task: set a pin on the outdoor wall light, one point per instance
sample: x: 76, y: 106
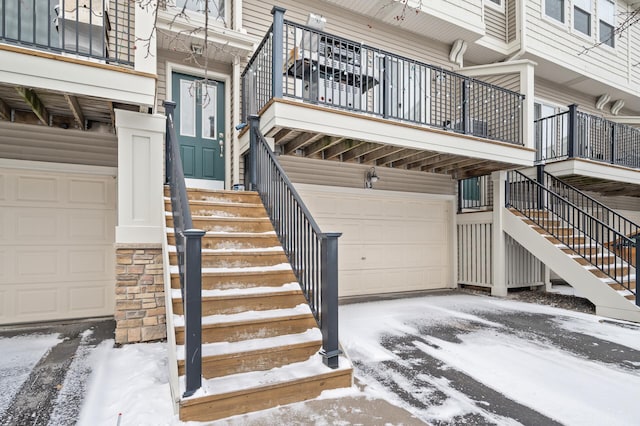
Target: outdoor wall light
x: 370, y: 178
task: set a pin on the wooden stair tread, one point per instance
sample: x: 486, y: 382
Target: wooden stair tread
x: 235, y: 349
x: 239, y: 297
x: 213, y: 321
x: 219, y: 204
x: 245, y: 383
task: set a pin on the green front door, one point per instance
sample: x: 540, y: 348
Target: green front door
x: 199, y: 121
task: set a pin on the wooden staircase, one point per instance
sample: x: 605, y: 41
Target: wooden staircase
x: 260, y: 340
x: 611, y: 298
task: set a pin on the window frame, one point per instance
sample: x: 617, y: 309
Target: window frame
x: 550, y: 18
x: 197, y: 18
x: 600, y: 21
x: 589, y: 12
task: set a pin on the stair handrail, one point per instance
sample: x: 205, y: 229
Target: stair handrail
x: 189, y: 254
x: 533, y: 200
x: 313, y: 254
x: 622, y: 224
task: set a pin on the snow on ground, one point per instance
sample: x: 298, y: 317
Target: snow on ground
x: 530, y: 371
x: 19, y: 355
x: 131, y: 382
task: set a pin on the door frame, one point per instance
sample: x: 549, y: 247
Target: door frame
x: 172, y: 67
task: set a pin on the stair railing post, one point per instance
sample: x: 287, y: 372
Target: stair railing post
x: 460, y: 195
x: 637, y: 240
x: 540, y: 179
x: 193, y: 310
x: 169, y: 107
x: 254, y: 128
x: 277, y: 61
x: 572, y: 127
x: 329, y: 296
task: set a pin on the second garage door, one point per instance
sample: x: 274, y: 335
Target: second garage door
x: 56, y: 244
x: 391, y: 241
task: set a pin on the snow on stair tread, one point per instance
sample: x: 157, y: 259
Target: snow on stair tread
x: 624, y: 278
x: 173, y: 269
x: 257, y: 379
x: 225, y: 348
x: 301, y: 309
x: 171, y: 231
x: 177, y: 293
x: 219, y: 201
x: 231, y: 250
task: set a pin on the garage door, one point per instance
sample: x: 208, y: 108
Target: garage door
x: 56, y: 245
x: 391, y: 241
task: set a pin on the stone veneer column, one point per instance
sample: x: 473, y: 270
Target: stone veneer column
x: 140, y: 303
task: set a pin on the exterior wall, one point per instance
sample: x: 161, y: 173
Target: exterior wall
x: 512, y: 20
x: 357, y: 27
x: 558, y: 43
x: 140, y: 302
x: 351, y: 175
x: 40, y: 143
x: 496, y: 22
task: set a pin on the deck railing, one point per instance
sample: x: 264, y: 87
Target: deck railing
x: 575, y: 134
x: 98, y: 29
x: 313, y: 254
x: 189, y: 254
x: 575, y: 228
x: 299, y: 62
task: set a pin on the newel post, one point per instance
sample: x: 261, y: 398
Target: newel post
x: 169, y: 107
x: 254, y: 128
x: 329, y: 295
x: 277, y: 53
x: 192, y: 294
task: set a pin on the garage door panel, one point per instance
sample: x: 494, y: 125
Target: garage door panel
x: 92, y: 192
x: 30, y: 188
x: 391, y: 241
x: 56, y: 251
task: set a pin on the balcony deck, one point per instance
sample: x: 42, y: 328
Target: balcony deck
x: 337, y: 99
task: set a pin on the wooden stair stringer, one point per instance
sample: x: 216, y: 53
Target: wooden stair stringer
x: 608, y: 301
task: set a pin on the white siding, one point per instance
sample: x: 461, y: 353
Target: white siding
x: 496, y: 23
x: 556, y: 42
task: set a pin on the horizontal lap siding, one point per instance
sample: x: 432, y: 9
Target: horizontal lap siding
x: 40, y: 143
x: 257, y: 18
x: 557, y: 94
x: 334, y: 173
x: 496, y: 23
x: 511, y: 20
x: 559, y: 44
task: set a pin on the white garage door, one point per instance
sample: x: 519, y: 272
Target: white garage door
x: 56, y: 245
x: 391, y: 241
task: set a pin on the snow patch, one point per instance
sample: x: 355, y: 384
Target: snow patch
x: 303, y: 308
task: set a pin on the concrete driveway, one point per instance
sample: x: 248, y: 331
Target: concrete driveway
x: 458, y: 358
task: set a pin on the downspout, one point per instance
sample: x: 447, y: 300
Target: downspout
x: 522, y: 18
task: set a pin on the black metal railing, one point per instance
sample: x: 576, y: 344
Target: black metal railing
x: 189, y: 255
x: 299, y: 62
x: 575, y: 228
x: 475, y: 193
x: 99, y: 29
x: 575, y: 134
x: 313, y: 254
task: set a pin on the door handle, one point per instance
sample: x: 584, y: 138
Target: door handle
x: 221, y: 143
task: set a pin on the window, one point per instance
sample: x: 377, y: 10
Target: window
x: 582, y: 16
x: 607, y: 17
x: 554, y: 9
x: 216, y: 7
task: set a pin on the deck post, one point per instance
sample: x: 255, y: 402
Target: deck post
x: 254, y: 128
x: 637, y: 240
x: 277, y: 61
x: 572, y: 127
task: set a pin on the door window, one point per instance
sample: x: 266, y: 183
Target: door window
x: 209, y: 111
x: 187, y: 108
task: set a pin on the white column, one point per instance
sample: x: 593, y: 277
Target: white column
x: 236, y: 84
x: 498, y: 258
x: 140, y: 177
x: 527, y: 88
x: 146, y: 50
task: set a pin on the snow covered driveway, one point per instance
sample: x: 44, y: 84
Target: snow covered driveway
x: 468, y: 359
